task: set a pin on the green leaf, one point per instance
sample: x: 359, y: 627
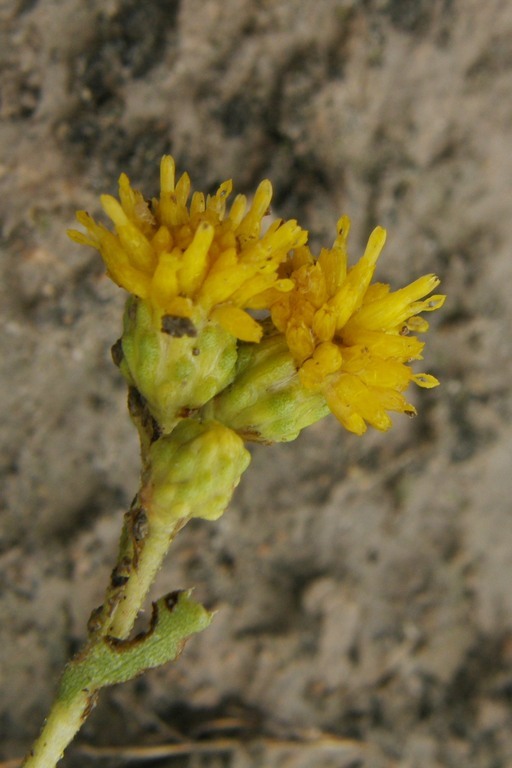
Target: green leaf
x: 108, y: 661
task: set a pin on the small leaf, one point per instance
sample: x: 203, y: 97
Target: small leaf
x: 109, y: 660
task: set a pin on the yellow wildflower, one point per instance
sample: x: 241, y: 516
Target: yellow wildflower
x: 195, y: 268
x: 350, y: 339
x: 194, y: 260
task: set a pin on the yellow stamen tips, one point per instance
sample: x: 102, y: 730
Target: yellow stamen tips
x: 192, y: 259
x: 425, y: 380
x: 350, y: 339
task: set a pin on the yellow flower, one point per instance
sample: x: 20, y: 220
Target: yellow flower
x: 350, y: 339
x: 194, y: 261
x: 196, y: 267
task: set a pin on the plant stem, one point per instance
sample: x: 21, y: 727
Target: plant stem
x: 63, y: 722
x: 141, y: 578
x: 191, y: 473
x: 67, y: 716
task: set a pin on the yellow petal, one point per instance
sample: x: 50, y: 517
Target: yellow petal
x: 237, y: 210
x: 164, y: 285
x: 179, y: 306
x: 167, y: 175
x: 167, y: 206
x: 344, y: 412
x: 197, y: 204
x: 363, y: 401
x: 417, y: 324
x: 250, y: 225
x: 324, y: 323
x: 183, y: 189
x: 220, y: 284
x: 350, y: 296
x: 385, y: 345
x: 81, y: 239
x: 376, y: 372
x: 194, y: 260
x: 392, y: 310
x: 237, y: 322
x: 267, y: 298
x: 217, y: 202
x: 326, y: 360
x: 135, y: 243
x: 300, y: 340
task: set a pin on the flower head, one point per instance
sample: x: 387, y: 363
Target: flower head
x: 334, y: 339
x: 194, y: 260
x: 350, y: 338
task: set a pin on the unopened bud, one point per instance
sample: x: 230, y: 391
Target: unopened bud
x: 266, y: 401
x: 177, y: 365
x: 194, y: 471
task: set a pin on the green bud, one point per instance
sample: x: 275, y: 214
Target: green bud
x: 266, y: 401
x: 194, y: 471
x: 177, y: 367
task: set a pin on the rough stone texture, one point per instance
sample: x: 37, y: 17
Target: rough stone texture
x: 362, y: 584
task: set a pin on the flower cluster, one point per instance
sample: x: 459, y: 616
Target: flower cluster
x: 350, y: 338
x: 194, y: 261
x: 348, y: 342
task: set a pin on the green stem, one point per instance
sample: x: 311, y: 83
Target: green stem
x: 64, y: 721
x: 191, y: 473
x: 118, y: 616
x: 141, y: 578
x: 107, y: 661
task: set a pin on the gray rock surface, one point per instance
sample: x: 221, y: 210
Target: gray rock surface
x: 362, y: 584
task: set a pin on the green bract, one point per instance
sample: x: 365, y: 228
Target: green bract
x: 194, y: 471
x: 266, y: 401
x: 176, y: 366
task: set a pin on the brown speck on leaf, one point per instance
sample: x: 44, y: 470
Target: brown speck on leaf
x: 93, y: 699
x: 135, y: 402
x: 94, y: 622
x: 172, y: 598
x: 117, y: 353
x: 121, y: 573
x: 140, y: 524
x: 124, y: 645
x: 132, y: 309
x: 138, y: 409
x: 177, y: 327
x: 185, y: 412
x: 252, y: 435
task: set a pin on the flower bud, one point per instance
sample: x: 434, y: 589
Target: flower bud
x: 176, y: 367
x: 193, y: 472
x: 267, y: 402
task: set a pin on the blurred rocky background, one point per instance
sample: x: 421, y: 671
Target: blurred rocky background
x: 362, y: 584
